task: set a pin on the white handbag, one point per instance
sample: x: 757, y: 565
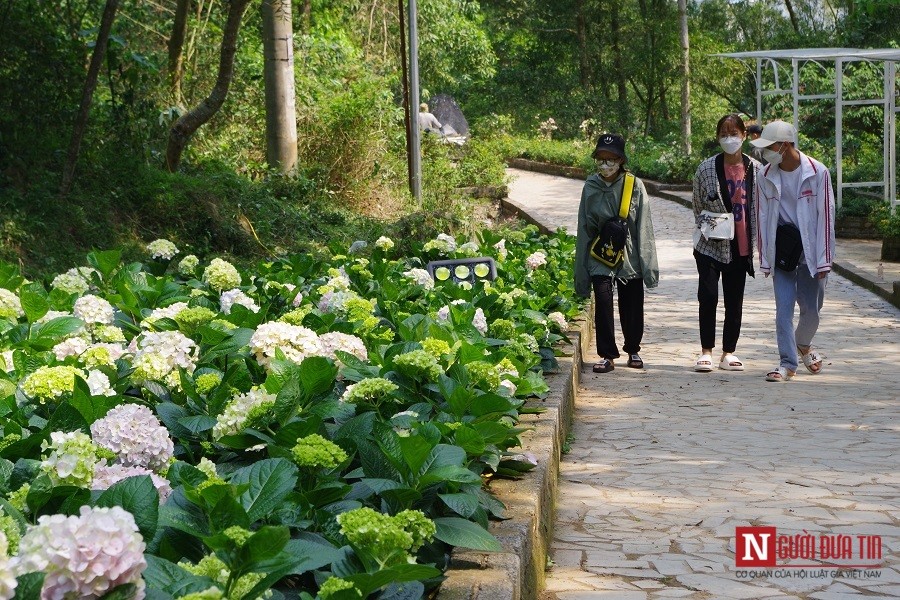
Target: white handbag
x: 716, y: 226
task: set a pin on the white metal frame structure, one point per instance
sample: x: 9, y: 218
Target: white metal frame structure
x: 840, y: 56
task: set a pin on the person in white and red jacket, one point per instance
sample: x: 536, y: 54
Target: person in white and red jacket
x: 796, y: 202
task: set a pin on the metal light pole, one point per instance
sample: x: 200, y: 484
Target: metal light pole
x: 415, y: 155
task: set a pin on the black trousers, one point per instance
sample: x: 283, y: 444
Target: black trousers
x: 631, y: 315
x: 734, y: 278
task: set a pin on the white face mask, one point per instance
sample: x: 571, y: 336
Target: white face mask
x: 731, y: 144
x: 607, y: 168
x: 773, y: 157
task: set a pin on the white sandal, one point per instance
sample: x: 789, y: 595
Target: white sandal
x: 730, y: 362
x: 780, y: 375
x: 812, y: 358
x: 704, y: 364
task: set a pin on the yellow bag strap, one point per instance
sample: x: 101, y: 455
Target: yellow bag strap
x: 627, y: 188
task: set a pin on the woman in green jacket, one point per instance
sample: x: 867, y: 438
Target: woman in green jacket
x: 600, y: 201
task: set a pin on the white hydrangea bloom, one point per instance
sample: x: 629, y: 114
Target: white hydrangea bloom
x: 344, y: 342
x: 232, y: 419
x: 357, y: 246
x: 384, y: 243
x: 535, y: 260
x: 236, y: 296
x: 479, y: 321
x: 298, y: 300
x: 98, y: 383
x: 107, y: 475
x: 166, y: 312
x: 84, y: 556
x: 10, y: 305
x: 72, y: 346
x: 500, y: 247
x: 8, y: 581
x: 74, y: 281
x: 421, y: 277
x: 180, y: 349
x: 136, y: 436
x: 448, y: 240
x: 94, y: 309
x: 162, y: 249
x: 102, y: 354
x: 559, y: 319
x: 443, y: 314
x: 8, y: 364
x: 332, y: 302
x: 468, y: 249
x: 295, y: 341
x: 509, y: 385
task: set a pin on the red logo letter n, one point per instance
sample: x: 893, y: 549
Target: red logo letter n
x: 754, y: 546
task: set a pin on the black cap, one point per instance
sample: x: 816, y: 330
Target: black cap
x: 611, y: 142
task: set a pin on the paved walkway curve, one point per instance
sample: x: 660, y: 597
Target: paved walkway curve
x: 666, y: 462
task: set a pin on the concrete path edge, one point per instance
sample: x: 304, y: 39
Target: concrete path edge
x: 518, y: 572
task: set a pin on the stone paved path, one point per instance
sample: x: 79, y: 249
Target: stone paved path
x: 665, y: 462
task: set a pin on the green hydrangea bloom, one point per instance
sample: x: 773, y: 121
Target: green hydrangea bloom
x: 221, y: 275
x: 507, y: 367
x: 238, y: 535
x: 359, y: 309
x: 260, y: 415
x: 389, y: 540
x: 212, y: 566
x: 8, y: 439
x: 416, y: 524
x: 435, y: 347
x: 369, y: 390
x: 316, y: 451
x: 10, y: 527
x: 484, y: 374
x: 418, y: 362
x: 503, y: 329
x: 108, y: 333
x: 51, y: 383
x: 296, y: 316
x: 97, y: 356
x: 223, y: 324
x: 332, y: 585
x: 212, y: 593
x: 188, y: 265
x: 16, y: 499
x: 207, y: 382
x: 190, y: 319
x: 71, y: 459
x: 516, y: 236
x: 376, y: 534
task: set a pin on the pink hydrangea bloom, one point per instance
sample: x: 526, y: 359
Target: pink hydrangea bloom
x: 135, y: 435
x: 107, y: 475
x: 84, y: 556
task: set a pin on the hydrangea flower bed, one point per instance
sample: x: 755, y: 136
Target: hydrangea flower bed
x: 321, y: 429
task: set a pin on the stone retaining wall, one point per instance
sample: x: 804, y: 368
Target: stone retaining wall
x: 517, y: 573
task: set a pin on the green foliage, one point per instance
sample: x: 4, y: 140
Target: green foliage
x: 888, y: 224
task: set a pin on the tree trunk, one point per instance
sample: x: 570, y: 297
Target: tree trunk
x: 281, y: 115
x: 188, y: 123
x: 176, y: 46
x: 90, y: 84
x: 621, y: 82
x: 581, y: 33
x: 685, y: 78
x: 306, y: 21
x: 792, y: 15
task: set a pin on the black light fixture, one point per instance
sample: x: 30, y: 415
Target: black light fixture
x: 458, y: 270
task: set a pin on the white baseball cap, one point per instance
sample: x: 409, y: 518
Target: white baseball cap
x: 776, y: 131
